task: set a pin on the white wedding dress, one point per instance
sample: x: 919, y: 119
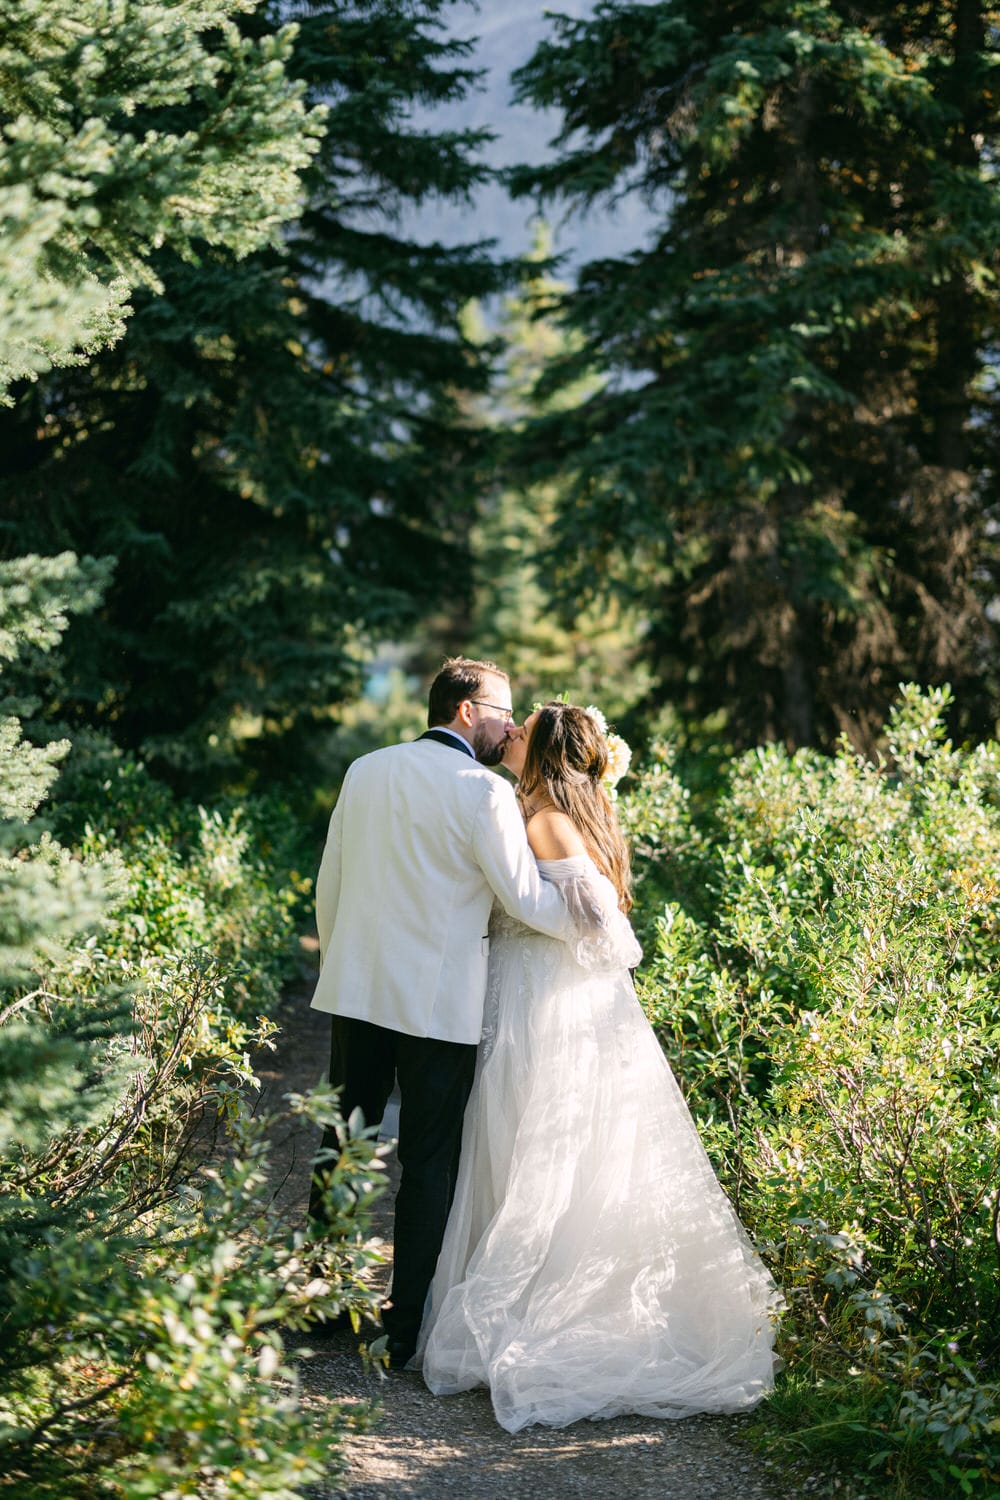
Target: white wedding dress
x: 592, y: 1266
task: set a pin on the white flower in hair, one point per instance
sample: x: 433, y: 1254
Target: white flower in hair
x: 619, y: 760
x: 619, y: 753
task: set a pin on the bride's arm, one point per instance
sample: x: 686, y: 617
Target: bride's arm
x: 603, y: 937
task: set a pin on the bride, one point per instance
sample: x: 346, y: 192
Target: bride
x: 592, y: 1265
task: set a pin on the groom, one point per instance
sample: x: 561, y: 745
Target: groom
x: 421, y: 842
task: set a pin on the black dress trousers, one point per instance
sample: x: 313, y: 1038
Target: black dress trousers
x: 435, y: 1079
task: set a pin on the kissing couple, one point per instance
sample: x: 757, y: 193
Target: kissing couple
x: 560, y: 1235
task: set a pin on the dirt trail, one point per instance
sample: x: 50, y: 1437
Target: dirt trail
x: 427, y: 1446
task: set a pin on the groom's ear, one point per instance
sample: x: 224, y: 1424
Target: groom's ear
x: 464, y: 712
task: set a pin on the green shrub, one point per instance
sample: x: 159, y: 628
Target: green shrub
x: 144, y: 1277
x: 825, y: 982
x: 144, y: 1350
x: 228, y: 880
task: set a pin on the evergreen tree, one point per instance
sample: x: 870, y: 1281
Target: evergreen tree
x: 271, y: 454
x: 44, y: 898
x: 124, y: 127
x: 791, y: 465
x: 589, y: 652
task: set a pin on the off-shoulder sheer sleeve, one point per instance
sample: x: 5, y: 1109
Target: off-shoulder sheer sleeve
x: 603, y: 938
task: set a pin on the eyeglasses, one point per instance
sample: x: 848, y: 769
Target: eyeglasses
x: 508, y: 713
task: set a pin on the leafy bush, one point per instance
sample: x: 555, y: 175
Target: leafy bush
x: 144, y: 1277
x: 827, y: 942
x: 143, y: 1350
x: 226, y: 880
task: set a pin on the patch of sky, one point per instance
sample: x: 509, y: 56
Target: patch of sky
x: 508, y: 31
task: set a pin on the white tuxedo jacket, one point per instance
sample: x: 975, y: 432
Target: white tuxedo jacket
x: 421, y: 841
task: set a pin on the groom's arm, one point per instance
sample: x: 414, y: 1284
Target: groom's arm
x: 500, y: 848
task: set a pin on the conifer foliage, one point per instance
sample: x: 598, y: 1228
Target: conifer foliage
x: 591, y: 654
x: 790, y: 469
x: 140, y: 1289
x: 126, y: 125
x: 271, y: 454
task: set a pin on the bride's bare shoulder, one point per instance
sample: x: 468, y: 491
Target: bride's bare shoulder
x: 553, y: 835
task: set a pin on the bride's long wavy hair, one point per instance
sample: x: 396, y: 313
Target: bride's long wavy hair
x: 566, y: 757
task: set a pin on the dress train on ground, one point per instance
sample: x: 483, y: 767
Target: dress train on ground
x: 592, y: 1265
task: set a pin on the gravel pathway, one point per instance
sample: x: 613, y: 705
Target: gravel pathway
x: 427, y: 1446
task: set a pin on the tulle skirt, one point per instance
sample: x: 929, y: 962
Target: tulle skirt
x: 592, y: 1265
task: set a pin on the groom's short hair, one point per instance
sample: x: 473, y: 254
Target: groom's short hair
x: 459, y: 678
